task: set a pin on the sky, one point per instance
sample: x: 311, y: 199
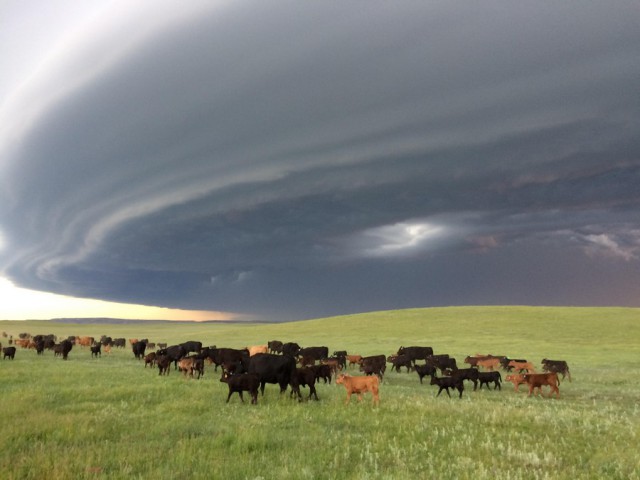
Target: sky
x: 287, y: 160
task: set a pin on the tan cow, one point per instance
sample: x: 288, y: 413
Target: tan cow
x: 84, y: 341
x: 186, y: 366
x: 517, y: 380
x: 538, y: 380
x: 360, y: 385
x: 520, y: 366
x: 490, y: 363
x: 254, y: 349
x: 354, y: 359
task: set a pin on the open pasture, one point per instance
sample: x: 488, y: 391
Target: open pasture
x: 110, y: 417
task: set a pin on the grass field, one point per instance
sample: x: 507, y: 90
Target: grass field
x: 111, y: 418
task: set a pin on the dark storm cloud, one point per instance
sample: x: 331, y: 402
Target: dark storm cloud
x: 293, y: 160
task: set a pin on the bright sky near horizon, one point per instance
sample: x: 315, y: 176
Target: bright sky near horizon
x: 285, y: 160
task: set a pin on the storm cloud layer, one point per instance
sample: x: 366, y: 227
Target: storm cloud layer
x: 290, y: 159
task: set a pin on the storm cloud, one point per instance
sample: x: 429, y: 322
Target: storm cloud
x: 286, y: 160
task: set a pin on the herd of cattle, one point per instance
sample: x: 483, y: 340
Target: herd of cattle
x: 291, y: 366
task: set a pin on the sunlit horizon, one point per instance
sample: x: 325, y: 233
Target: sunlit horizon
x: 24, y: 304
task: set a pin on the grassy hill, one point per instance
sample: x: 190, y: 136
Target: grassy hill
x: 112, y: 418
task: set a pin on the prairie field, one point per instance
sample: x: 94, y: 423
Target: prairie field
x: 109, y: 417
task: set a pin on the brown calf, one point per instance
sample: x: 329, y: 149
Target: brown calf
x: 354, y: 359
x: 359, y: 385
x: 538, y: 380
x: 520, y: 366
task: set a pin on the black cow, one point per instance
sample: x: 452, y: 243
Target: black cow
x: 306, y: 377
x: 470, y: 374
x: 64, y: 348
x: 445, y: 383
x: 9, y: 352
x: 227, y: 356
x: 104, y: 340
x: 275, y: 346
x: 485, y: 378
x: 424, y: 370
x: 399, y: 361
x: 442, y: 362
x: 119, y: 342
x: 315, y: 353
x: 290, y: 348
x: 322, y: 372
x: 244, y: 382
x: 39, y: 346
x: 164, y: 364
x: 192, y: 346
x: 341, y: 355
x: 556, y: 366
x: 374, y: 365
x: 174, y: 352
x: 416, y: 353
x: 96, y: 350
x: 138, y: 349
x: 280, y: 369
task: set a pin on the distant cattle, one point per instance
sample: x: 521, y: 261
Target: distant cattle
x: 245, y: 382
x: 556, y: 366
x: 274, y: 346
x: 538, y: 380
x: 416, y: 353
x: 359, y: 385
x: 445, y: 383
x: 280, y: 369
x: 374, y: 365
x: 96, y: 350
x: 8, y: 352
x: 485, y: 378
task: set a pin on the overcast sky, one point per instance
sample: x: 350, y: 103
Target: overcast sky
x: 287, y: 160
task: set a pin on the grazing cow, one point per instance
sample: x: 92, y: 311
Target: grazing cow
x: 274, y: 346
x: 538, y: 380
x: 138, y: 349
x: 150, y: 359
x: 445, y: 383
x: 485, y: 378
x: 354, y: 359
x: 470, y: 374
x: 164, y: 364
x: 192, y: 346
x: 96, y: 350
x: 244, y: 382
x: 257, y: 349
x: 306, y: 377
x: 315, y: 353
x: 399, y: 361
x: 416, y: 353
x: 556, y: 366
x: 424, y: 370
x: 516, y: 379
x: 9, y: 352
x: 359, y: 385
x: 522, y: 366
x: 280, y: 369
x: 374, y: 365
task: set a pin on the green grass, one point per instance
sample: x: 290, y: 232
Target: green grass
x: 111, y: 418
